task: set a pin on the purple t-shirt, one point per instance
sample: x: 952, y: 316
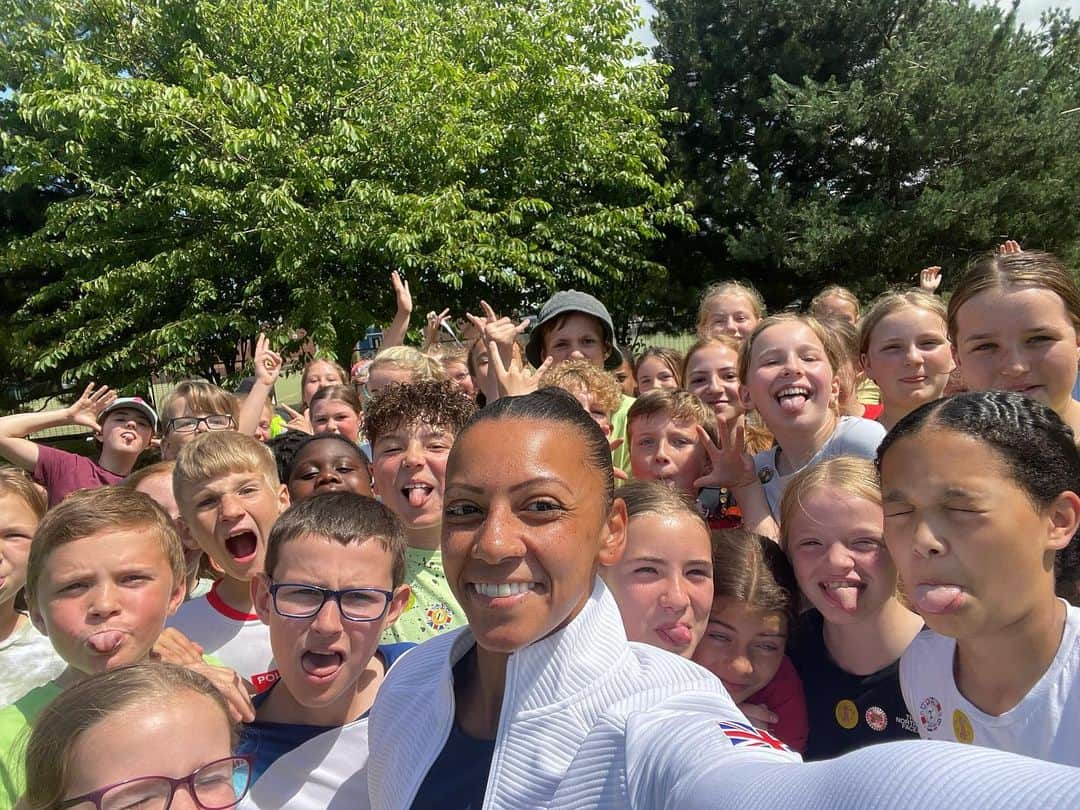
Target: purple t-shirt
x: 62, y: 473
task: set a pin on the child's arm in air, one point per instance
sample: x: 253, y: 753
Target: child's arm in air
x: 84, y: 411
x: 267, y: 370
x: 394, y: 334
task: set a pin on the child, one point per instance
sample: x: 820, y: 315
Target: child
x: 320, y: 373
x: 336, y: 409
x: 904, y: 349
x: 658, y: 368
x: 837, y: 302
x: 729, y: 308
x: 401, y: 364
x: 106, y: 569
x: 114, y: 739
x: 711, y: 373
x: 1013, y: 322
x: 455, y: 364
x: 411, y: 429
x: 754, y: 607
x: 596, y: 390
x: 665, y: 446
x: 574, y: 325
x: 229, y: 495
x: 156, y: 481
x: 27, y: 658
x: 327, y: 463
x: 194, y: 407
x: 124, y: 427
x: 663, y: 583
x: 787, y: 371
x: 980, y: 494
x: 847, y: 645
x: 846, y: 338
x: 349, y: 550
x: 624, y: 375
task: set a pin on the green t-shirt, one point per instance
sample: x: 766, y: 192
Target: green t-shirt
x: 620, y: 457
x: 432, y: 608
x: 16, y: 721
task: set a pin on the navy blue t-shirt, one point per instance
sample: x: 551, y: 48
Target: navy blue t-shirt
x: 268, y: 741
x: 457, y: 780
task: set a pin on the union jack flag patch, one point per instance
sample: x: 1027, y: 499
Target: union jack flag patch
x: 745, y: 735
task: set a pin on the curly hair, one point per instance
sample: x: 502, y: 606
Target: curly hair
x: 576, y: 375
x: 438, y: 403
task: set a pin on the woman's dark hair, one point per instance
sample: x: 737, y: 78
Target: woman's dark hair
x: 555, y: 405
x: 1037, y: 447
x: 290, y: 462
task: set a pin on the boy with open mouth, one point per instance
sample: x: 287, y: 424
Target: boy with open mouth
x: 333, y: 584
x: 227, y: 487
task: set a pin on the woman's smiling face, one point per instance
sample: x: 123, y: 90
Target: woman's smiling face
x: 525, y: 527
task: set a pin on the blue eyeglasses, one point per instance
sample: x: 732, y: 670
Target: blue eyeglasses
x: 298, y: 601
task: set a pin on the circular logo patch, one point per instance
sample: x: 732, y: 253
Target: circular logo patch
x: 930, y: 714
x: 876, y: 718
x: 962, y: 727
x: 439, y: 616
x: 847, y: 714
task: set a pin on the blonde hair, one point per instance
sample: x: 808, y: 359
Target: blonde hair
x: 420, y: 365
x: 151, y: 471
x: 448, y: 355
x: 575, y: 375
x: 14, y: 481
x: 677, y: 405
x: 92, y: 511
x: 817, y: 303
x: 333, y: 365
x: 848, y: 474
x: 669, y: 357
x: 828, y: 341
x: 1015, y: 271
x: 893, y: 301
x: 656, y: 498
x: 200, y: 396
x: 85, y: 704
x: 216, y: 453
x: 747, y: 291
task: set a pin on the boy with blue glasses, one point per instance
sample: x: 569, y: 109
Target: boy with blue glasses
x: 333, y: 583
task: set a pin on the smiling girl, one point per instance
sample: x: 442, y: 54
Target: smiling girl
x: 1013, y: 321
x: 847, y: 646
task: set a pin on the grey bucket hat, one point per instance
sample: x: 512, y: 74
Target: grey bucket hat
x: 563, y: 303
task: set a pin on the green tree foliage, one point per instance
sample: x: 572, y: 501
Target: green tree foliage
x: 857, y: 142
x: 229, y: 165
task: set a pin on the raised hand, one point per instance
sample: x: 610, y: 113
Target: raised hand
x: 502, y: 331
x: 731, y: 465
x: 297, y: 421
x: 86, y: 410
x: 433, y: 325
x: 930, y: 279
x: 268, y: 363
x: 401, y: 293
x: 513, y: 380
x: 1009, y: 246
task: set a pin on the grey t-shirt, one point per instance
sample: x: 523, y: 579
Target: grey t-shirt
x: 853, y: 436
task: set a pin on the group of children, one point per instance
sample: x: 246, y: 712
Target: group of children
x: 815, y: 514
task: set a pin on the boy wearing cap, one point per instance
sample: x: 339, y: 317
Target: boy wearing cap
x: 574, y: 324
x: 123, y: 425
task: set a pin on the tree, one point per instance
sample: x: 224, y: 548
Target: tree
x: 857, y: 142
x: 242, y: 164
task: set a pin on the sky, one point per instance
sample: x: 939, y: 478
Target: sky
x: 1029, y: 13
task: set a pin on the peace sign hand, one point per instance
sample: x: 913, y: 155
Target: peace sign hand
x: 434, y: 324
x: 298, y: 421
x: 503, y: 331
x: 513, y: 381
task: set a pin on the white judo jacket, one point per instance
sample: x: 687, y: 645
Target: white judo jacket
x: 587, y: 720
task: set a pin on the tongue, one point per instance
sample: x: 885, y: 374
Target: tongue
x: 241, y: 546
x: 848, y: 597
x: 320, y: 664
x: 936, y: 598
x: 793, y: 403
x: 680, y: 634
x: 417, y: 496
x: 106, y: 641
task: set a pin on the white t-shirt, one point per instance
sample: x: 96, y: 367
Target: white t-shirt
x: 854, y: 436
x: 27, y: 660
x: 1044, y: 725
x: 327, y: 771
x: 238, y: 640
